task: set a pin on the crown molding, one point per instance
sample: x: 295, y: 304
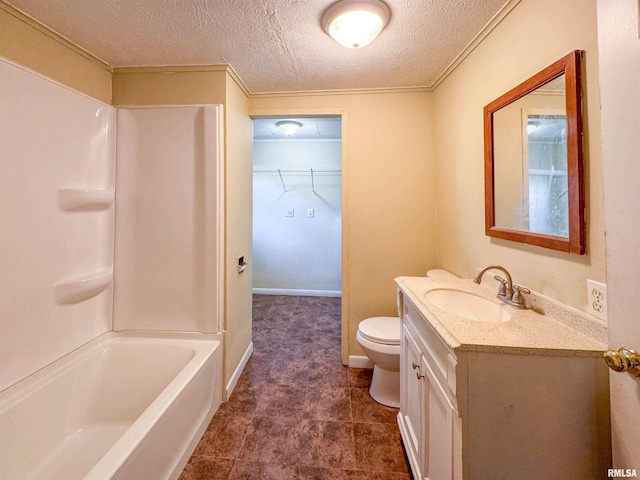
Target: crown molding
x: 35, y: 24
x: 172, y: 69
x: 354, y: 91
x: 477, y: 40
x: 169, y: 69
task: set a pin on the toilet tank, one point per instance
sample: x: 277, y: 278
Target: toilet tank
x: 440, y: 274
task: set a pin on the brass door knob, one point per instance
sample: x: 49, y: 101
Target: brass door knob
x: 624, y: 360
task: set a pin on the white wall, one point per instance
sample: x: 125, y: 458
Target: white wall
x: 56, y: 247
x: 297, y: 254
x: 167, y: 260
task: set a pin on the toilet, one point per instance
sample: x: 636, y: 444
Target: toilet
x: 379, y: 338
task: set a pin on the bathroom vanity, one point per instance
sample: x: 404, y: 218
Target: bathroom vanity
x: 511, y: 394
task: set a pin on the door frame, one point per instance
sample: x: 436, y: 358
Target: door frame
x: 327, y: 112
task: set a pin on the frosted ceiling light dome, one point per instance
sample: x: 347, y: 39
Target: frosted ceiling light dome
x: 289, y: 127
x: 355, y: 23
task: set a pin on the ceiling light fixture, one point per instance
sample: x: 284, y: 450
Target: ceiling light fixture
x: 355, y: 23
x: 289, y: 127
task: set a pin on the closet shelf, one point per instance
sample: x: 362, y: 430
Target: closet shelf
x: 83, y: 287
x: 83, y: 199
x: 302, y: 175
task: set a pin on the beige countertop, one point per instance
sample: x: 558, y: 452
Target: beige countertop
x: 546, y: 327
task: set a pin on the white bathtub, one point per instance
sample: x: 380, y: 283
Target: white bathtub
x: 124, y: 406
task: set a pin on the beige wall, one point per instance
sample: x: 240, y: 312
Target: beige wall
x: 239, y: 208
x: 534, y: 35
x: 388, y: 198
x: 198, y: 85
x: 169, y: 85
x: 31, y: 45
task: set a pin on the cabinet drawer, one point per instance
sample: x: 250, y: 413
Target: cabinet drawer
x: 442, y: 360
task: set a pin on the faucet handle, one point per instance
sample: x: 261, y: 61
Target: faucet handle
x: 517, y: 297
x: 502, y: 289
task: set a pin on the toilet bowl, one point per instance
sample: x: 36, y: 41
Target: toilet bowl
x: 379, y: 338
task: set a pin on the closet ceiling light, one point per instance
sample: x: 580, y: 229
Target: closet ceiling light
x: 289, y: 127
x: 355, y: 23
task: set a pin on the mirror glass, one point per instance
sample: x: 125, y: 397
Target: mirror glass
x: 533, y: 162
x: 531, y: 195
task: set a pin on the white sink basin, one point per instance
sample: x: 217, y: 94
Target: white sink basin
x: 467, y: 305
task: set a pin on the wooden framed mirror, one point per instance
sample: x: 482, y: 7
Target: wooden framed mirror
x: 534, y: 188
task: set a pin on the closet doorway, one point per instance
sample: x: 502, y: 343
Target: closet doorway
x: 297, y: 206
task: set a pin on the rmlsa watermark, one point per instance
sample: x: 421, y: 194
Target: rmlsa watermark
x: 622, y: 473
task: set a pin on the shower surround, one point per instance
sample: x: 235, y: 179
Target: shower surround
x: 84, y: 255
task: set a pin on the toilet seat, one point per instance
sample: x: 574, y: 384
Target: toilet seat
x: 382, y: 330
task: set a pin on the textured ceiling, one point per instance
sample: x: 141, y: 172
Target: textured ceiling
x: 273, y: 45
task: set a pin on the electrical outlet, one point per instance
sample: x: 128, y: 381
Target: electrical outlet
x: 310, y: 212
x: 597, y: 296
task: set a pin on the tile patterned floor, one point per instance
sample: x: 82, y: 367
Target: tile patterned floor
x: 297, y: 412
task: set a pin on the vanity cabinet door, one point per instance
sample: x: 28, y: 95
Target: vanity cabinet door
x: 428, y: 404
x: 412, y: 402
x: 439, y: 429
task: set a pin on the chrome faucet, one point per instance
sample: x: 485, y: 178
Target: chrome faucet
x: 507, y: 292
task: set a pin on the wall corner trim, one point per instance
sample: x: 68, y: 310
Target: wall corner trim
x: 236, y: 78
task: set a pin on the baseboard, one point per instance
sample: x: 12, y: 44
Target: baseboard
x: 231, y: 384
x: 297, y: 293
x: 356, y: 361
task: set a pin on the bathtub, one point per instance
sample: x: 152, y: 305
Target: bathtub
x: 124, y: 406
